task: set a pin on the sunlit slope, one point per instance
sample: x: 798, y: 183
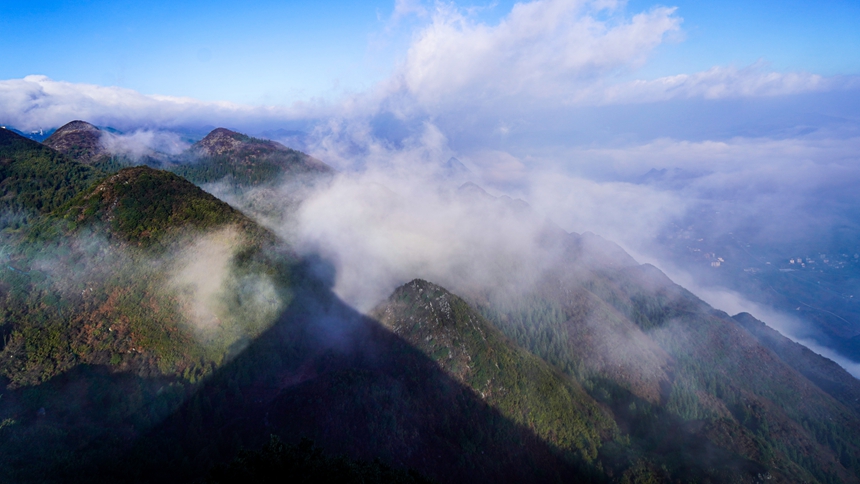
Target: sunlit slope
x: 141, y: 205
x: 113, y: 308
x: 143, y: 272
x: 85, y: 143
x: 521, y: 386
x: 675, y: 371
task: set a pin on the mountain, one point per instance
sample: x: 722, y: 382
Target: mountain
x: 141, y: 205
x: 693, y: 388
x: 37, y: 178
x: 822, y: 371
x: 114, y: 305
x: 221, y: 155
x: 151, y: 331
x: 246, y: 161
x: 78, y: 140
x: 115, y: 261
x: 340, y: 378
x: 523, y: 387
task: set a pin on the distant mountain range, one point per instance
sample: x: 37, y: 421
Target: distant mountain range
x: 151, y: 331
x: 39, y: 135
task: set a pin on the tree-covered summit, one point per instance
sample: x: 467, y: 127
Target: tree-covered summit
x: 34, y: 177
x: 141, y: 204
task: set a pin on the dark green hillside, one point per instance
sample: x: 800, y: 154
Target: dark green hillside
x: 35, y: 178
x: 277, y: 462
x: 521, y: 386
x: 245, y: 161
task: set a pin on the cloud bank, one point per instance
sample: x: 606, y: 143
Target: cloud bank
x: 37, y: 101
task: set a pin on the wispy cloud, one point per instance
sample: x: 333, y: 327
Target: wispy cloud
x: 715, y: 83
x: 144, y: 142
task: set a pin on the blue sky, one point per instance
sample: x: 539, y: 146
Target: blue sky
x: 257, y: 52
x: 278, y: 52
x: 821, y: 36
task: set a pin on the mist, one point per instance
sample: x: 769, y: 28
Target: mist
x: 141, y: 143
x: 193, y: 285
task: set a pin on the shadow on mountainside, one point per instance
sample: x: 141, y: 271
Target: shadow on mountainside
x: 328, y: 373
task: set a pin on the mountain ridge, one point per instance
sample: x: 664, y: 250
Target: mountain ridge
x: 203, y: 330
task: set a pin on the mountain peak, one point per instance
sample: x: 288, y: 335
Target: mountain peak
x: 77, y: 125
x: 79, y: 140
x: 473, y: 351
x: 221, y: 141
x: 245, y: 157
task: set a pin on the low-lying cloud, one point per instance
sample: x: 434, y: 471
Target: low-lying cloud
x: 380, y: 231
x: 144, y: 142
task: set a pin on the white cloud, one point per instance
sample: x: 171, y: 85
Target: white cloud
x: 381, y: 229
x: 738, y: 154
x: 543, y: 56
x: 144, y: 142
x: 629, y: 214
x: 715, y: 83
x: 545, y: 48
x: 404, y: 8
x: 40, y: 102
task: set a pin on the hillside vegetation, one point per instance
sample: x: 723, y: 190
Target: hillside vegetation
x: 521, y: 386
x: 128, y: 294
x: 35, y: 178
